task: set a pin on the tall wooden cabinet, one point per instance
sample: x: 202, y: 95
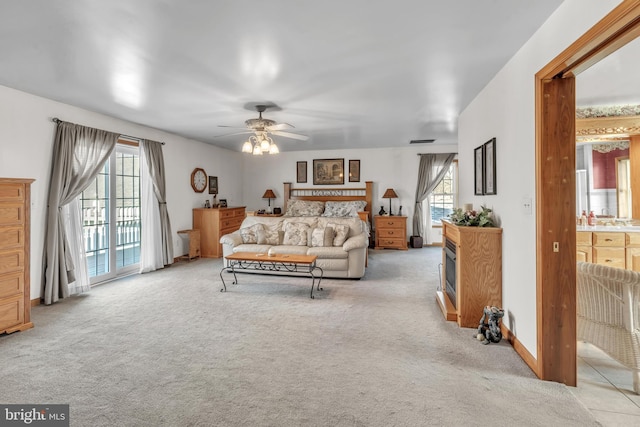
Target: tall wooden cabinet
x: 15, y: 302
x: 214, y: 223
x: 478, y: 272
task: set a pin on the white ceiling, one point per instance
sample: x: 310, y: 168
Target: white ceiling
x: 349, y: 74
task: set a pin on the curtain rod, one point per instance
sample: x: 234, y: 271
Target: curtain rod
x: 57, y: 120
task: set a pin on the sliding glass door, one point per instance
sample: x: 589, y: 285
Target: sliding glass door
x: 111, y: 217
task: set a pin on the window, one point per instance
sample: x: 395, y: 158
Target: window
x: 444, y: 197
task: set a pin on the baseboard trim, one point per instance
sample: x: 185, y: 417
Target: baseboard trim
x: 35, y: 302
x: 520, y: 349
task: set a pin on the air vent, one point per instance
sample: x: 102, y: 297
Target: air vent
x: 421, y: 141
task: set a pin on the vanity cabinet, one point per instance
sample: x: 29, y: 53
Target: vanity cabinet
x: 620, y: 249
x: 214, y: 223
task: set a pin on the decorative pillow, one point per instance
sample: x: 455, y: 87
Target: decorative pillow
x: 295, y: 234
x: 269, y: 235
x: 322, y: 237
x: 304, y: 208
x: 250, y: 234
x: 344, y: 209
x: 341, y: 233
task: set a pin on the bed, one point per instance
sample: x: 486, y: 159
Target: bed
x: 324, y: 194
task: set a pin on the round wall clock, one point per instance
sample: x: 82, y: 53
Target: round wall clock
x: 198, y: 180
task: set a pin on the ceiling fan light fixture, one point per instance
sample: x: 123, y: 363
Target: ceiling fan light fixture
x: 265, y: 144
x: 257, y: 151
x: 247, y: 147
x: 273, y: 149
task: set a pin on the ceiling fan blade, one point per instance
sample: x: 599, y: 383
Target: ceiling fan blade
x: 233, y: 133
x: 232, y: 127
x: 291, y: 135
x: 280, y: 126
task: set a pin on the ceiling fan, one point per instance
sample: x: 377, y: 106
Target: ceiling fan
x: 261, y: 128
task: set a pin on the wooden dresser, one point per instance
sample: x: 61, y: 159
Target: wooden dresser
x: 390, y: 232
x: 15, y: 303
x: 214, y: 223
x: 478, y: 272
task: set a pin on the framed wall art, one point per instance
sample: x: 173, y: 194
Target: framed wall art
x: 490, y: 167
x: 354, y: 170
x: 301, y: 171
x: 328, y: 171
x: 478, y: 170
x: 213, y: 185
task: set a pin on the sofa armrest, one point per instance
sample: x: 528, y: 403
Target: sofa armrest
x: 354, y: 242
x: 232, y: 239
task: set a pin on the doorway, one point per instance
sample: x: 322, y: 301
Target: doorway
x: 555, y: 184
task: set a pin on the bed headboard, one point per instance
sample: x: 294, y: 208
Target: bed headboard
x: 330, y: 194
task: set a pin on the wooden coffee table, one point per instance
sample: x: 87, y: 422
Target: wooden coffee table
x: 294, y: 264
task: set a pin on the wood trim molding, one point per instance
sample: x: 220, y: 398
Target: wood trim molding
x: 520, y: 349
x: 556, y: 278
x: 36, y: 301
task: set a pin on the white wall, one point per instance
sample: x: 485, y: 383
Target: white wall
x: 395, y: 168
x: 26, y: 145
x: 505, y: 109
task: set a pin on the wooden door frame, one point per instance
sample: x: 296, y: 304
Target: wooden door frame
x: 555, y: 279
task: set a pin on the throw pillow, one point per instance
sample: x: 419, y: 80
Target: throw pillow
x: 268, y: 235
x: 304, y: 208
x: 322, y: 237
x: 341, y: 233
x: 295, y: 234
x: 250, y: 234
x: 343, y: 209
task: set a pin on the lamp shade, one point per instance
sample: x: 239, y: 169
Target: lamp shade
x: 390, y: 194
x: 269, y: 194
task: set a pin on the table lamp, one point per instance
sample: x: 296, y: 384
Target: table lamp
x: 269, y: 194
x: 390, y: 194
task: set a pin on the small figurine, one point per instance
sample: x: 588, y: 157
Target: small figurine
x: 490, y: 331
x: 382, y: 211
x: 400, y: 211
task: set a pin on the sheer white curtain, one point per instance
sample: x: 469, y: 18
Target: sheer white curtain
x: 72, y: 214
x: 151, y: 239
x: 431, y: 170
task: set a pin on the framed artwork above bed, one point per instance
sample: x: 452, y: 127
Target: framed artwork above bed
x: 328, y: 171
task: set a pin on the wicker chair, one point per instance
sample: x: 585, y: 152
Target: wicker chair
x: 609, y: 313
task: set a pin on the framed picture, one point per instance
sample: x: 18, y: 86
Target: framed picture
x: 478, y: 170
x: 301, y: 171
x: 223, y: 203
x: 213, y: 185
x: 328, y: 171
x: 490, y: 167
x: 354, y: 170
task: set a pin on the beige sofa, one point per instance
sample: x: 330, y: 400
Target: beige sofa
x: 339, y: 242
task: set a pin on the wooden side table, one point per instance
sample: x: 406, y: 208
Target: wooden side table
x: 194, y: 243
x: 391, y: 232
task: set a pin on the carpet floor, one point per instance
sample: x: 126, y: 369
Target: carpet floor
x: 169, y: 349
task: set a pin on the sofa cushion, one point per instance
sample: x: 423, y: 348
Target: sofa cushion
x: 332, y: 252
x: 288, y: 250
x: 252, y: 247
x: 296, y: 233
x: 322, y: 237
x: 341, y: 233
x: 250, y: 234
x: 356, y: 225
x: 269, y: 235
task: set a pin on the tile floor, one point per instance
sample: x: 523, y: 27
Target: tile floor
x: 606, y: 388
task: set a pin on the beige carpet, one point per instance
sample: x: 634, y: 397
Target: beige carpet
x: 168, y: 349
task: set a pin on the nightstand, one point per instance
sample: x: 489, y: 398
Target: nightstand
x: 391, y: 232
